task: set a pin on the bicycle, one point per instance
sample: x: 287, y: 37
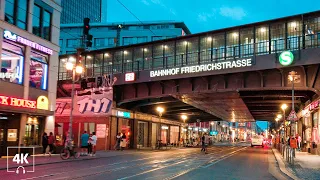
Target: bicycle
x: 66, y: 153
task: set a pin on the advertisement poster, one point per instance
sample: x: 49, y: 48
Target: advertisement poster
x: 101, y: 130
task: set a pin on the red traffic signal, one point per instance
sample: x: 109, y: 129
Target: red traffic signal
x: 86, y: 26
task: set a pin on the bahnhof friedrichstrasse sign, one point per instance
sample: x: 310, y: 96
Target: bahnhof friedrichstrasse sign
x: 202, y: 68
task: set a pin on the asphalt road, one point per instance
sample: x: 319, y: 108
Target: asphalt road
x: 221, y: 162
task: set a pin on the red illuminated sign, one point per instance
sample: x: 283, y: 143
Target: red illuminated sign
x: 17, y: 102
x: 129, y: 77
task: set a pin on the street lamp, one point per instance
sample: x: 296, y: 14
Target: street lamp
x: 75, y: 70
x: 284, y: 107
x: 184, y: 118
x: 294, y: 78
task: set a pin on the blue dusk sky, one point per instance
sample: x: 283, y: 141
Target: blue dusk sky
x: 206, y: 15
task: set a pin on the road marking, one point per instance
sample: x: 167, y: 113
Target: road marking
x: 197, y: 167
x: 151, y: 170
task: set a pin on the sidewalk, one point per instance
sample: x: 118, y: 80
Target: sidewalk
x: 55, y: 158
x: 306, y: 166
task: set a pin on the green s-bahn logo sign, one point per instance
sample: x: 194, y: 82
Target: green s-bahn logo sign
x: 286, y: 58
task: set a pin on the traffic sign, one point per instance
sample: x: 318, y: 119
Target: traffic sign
x: 293, y: 116
x: 286, y: 58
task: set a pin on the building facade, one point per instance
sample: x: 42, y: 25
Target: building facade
x: 73, y: 11
x: 29, y: 59
x: 111, y: 35
x: 141, y: 130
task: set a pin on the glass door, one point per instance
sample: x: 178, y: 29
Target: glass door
x: 3, y: 135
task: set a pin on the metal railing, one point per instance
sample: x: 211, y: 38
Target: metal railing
x: 287, y: 153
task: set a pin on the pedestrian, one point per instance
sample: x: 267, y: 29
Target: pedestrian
x: 84, y: 143
x: 44, y: 143
x: 203, y: 138
x: 293, y: 145
x: 90, y: 145
x: 51, y: 143
x: 299, y: 142
x: 94, y: 143
x: 118, y: 139
x: 123, y: 142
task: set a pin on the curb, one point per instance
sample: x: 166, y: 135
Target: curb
x: 69, y: 160
x: 282, y: 165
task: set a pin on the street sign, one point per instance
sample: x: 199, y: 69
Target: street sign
x: 293, y: 116
x: 286, y: 58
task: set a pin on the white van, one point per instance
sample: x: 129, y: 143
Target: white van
x: 257, y: 141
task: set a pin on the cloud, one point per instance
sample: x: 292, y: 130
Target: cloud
x: 205, y: 16
x: 145, y: 2
x: 159, y: 3
x: 236, y: 13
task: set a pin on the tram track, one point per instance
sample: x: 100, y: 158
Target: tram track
x: 188, y: 157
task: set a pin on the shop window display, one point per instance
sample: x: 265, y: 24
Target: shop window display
x: 38, y: 71
x: 12, y: 63
x: 32, y: 133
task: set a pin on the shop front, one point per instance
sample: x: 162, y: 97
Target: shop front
x: 92, y: 113
x: 148, y: 131
x: 27, y: 93
x: 22, y: 123
x: 310, y: 128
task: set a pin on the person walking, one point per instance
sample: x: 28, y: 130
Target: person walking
x: 90, y: 145
x: 94, y: 143
x: 299, y: 142
x: 84, y: 143
x: 44, y: 143
x: 51, y: 143
x: 118, y: 140
x: 123, y: 142
x: 203, y: 138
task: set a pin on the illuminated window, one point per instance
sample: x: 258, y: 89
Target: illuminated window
x: 12, y: 63
x: 38, y: 71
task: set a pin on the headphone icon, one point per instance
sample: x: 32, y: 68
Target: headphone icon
x: 23, y: 170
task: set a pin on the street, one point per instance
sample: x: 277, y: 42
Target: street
x: 221, y: 162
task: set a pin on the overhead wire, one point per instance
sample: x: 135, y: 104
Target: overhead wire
x: 134, y: 15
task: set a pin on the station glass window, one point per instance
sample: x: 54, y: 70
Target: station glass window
x: 262, y: 40
x: 312, y: 29
x: 205, y: 48
x: 218, y: 46
x: 294, y: 39
x: 277, y: 32
x: 246, y: 42
x: 192, y: 50
x: 232, y: 46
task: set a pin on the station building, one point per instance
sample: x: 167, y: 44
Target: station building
x: 237, y: 74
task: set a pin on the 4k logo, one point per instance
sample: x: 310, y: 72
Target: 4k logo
x: 21, y: 158
x: 22, y: 162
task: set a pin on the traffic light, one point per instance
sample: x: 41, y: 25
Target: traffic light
x: 86, y: 26
x: 87, y: 37
x: 89, y: 40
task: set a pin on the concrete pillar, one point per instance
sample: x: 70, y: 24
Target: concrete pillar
x: 113, y: 131
x: 30, y: 12
x: 135, y: 134
x: 150, y: 134
x: 23, y: 122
